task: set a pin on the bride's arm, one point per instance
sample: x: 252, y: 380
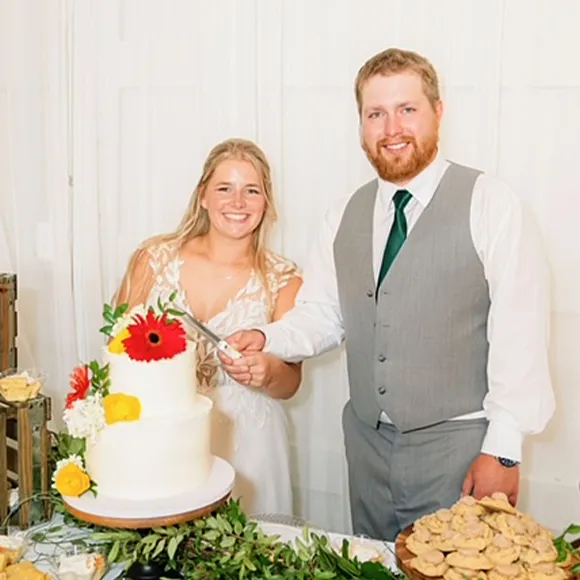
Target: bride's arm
x: 266, y: 371
x: 137, y: 281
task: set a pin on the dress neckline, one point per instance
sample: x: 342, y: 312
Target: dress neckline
x: 179, y: 262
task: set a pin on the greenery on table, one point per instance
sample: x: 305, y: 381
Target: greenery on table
x: 224, y: 545
x: 566, y: 549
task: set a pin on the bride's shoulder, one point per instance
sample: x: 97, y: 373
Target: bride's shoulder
x: 278, y: 263
x: 281, y: 269
x: 159, y: 249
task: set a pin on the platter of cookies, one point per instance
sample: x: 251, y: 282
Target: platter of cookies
x: 485, y: 539
x: 20, y: 386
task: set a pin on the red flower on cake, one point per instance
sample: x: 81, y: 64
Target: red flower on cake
x: 80, y: 383
x: 154, y: 338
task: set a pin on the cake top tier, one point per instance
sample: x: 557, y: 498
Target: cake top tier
x: 147, y: 370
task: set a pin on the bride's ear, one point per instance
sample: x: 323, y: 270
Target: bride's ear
x: 202, y: 201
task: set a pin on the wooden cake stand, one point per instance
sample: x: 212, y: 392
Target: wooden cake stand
x: 144, y: 514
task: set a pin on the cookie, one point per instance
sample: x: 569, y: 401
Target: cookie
x: 445, y: 542
x: 419, y: 542
x: 433, y: 524
x: 475, y: 535
x: 470, y: 559
x: 540, y: 551
x: 546, y: 571
x: 498, y: 501
x: 431, y: 564
x: 507, y: 572
x: 464, y: 574
x: 502, y: 551
x: 468, y: 505
x: 459, y: 521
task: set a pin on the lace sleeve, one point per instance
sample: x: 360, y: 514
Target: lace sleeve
x: 137, y: 281
x: 146, y: 271
x: 281, y: 271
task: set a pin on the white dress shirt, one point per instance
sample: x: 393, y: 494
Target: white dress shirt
x: 520, y: 399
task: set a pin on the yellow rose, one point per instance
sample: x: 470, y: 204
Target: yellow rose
x: 72, y: 481
x: 116, y: 346
x: 119, y: 407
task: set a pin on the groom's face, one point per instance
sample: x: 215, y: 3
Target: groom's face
x: 399, y: 126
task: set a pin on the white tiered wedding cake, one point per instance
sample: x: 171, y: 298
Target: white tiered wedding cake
x: 136, y: 427
x: 167, y: 450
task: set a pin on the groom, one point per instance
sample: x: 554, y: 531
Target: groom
x: 435, y: 277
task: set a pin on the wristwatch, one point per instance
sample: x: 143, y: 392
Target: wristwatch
x: 507, y: 462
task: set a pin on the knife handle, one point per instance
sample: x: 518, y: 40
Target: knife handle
x: 229, y: 350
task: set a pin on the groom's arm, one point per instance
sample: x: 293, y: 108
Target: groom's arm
x: 314, y: 326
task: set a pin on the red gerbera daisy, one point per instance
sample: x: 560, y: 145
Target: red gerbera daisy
x: 154, y: 338
x: 80, y: 383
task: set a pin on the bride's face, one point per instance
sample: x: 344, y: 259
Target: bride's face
x: 234, y: 199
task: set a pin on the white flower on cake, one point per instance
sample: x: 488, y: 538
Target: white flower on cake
x: 128, y: 318
x: 85, y: 418
x: 60, y: 465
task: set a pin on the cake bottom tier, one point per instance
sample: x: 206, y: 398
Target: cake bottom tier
x: 153, y: 458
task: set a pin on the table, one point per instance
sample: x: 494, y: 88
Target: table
x: 45, y: 554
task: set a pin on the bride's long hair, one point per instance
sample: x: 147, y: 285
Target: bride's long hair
x: 196, y: 221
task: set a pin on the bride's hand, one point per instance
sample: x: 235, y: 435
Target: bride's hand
x: 253, y: 370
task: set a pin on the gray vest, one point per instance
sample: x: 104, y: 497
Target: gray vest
x: 419, y: 352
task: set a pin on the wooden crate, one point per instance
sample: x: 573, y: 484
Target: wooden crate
x: 25, y: 460
x: 8, y: 322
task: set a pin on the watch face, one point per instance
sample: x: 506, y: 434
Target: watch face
x: 507, y: 462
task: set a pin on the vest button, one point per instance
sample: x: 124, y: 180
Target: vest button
x: 382, y: 358
x: 382, y: 390
x: 370, y: 293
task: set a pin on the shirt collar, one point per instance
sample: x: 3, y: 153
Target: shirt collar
x: 422, y: 186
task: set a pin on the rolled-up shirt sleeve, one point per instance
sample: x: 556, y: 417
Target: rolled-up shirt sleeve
x: 520, y: 400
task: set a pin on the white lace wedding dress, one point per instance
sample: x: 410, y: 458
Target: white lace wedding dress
x: 249, y: 428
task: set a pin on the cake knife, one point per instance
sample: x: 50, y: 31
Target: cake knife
x: 219, y: 343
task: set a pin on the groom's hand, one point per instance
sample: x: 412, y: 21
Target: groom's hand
x: 246, y: 341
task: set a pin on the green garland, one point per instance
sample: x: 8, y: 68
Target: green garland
x: 224, y: 546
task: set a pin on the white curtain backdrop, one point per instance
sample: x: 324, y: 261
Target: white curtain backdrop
x: 109, y: 107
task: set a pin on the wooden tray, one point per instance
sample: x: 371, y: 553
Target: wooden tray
x: 404, y: 557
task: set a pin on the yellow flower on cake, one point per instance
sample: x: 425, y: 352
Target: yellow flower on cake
x: 120, y: 407
x: 70, y: 478
x: 117, y: 346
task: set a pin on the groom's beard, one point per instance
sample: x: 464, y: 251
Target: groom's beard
x: 402, y: 167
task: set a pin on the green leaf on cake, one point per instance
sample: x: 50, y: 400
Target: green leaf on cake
x: 174, y: 312
x: 120, y: 311
x: 108, y: 330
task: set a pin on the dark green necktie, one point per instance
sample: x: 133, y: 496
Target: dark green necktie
x: 397, y: 235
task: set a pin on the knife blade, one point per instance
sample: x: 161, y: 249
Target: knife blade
x: 219, y: 342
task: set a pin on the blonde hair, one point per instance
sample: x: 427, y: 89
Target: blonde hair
x: 196, y: 221
x: 394, y: 61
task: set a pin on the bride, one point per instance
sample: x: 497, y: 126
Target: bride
x: 218, y: 265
